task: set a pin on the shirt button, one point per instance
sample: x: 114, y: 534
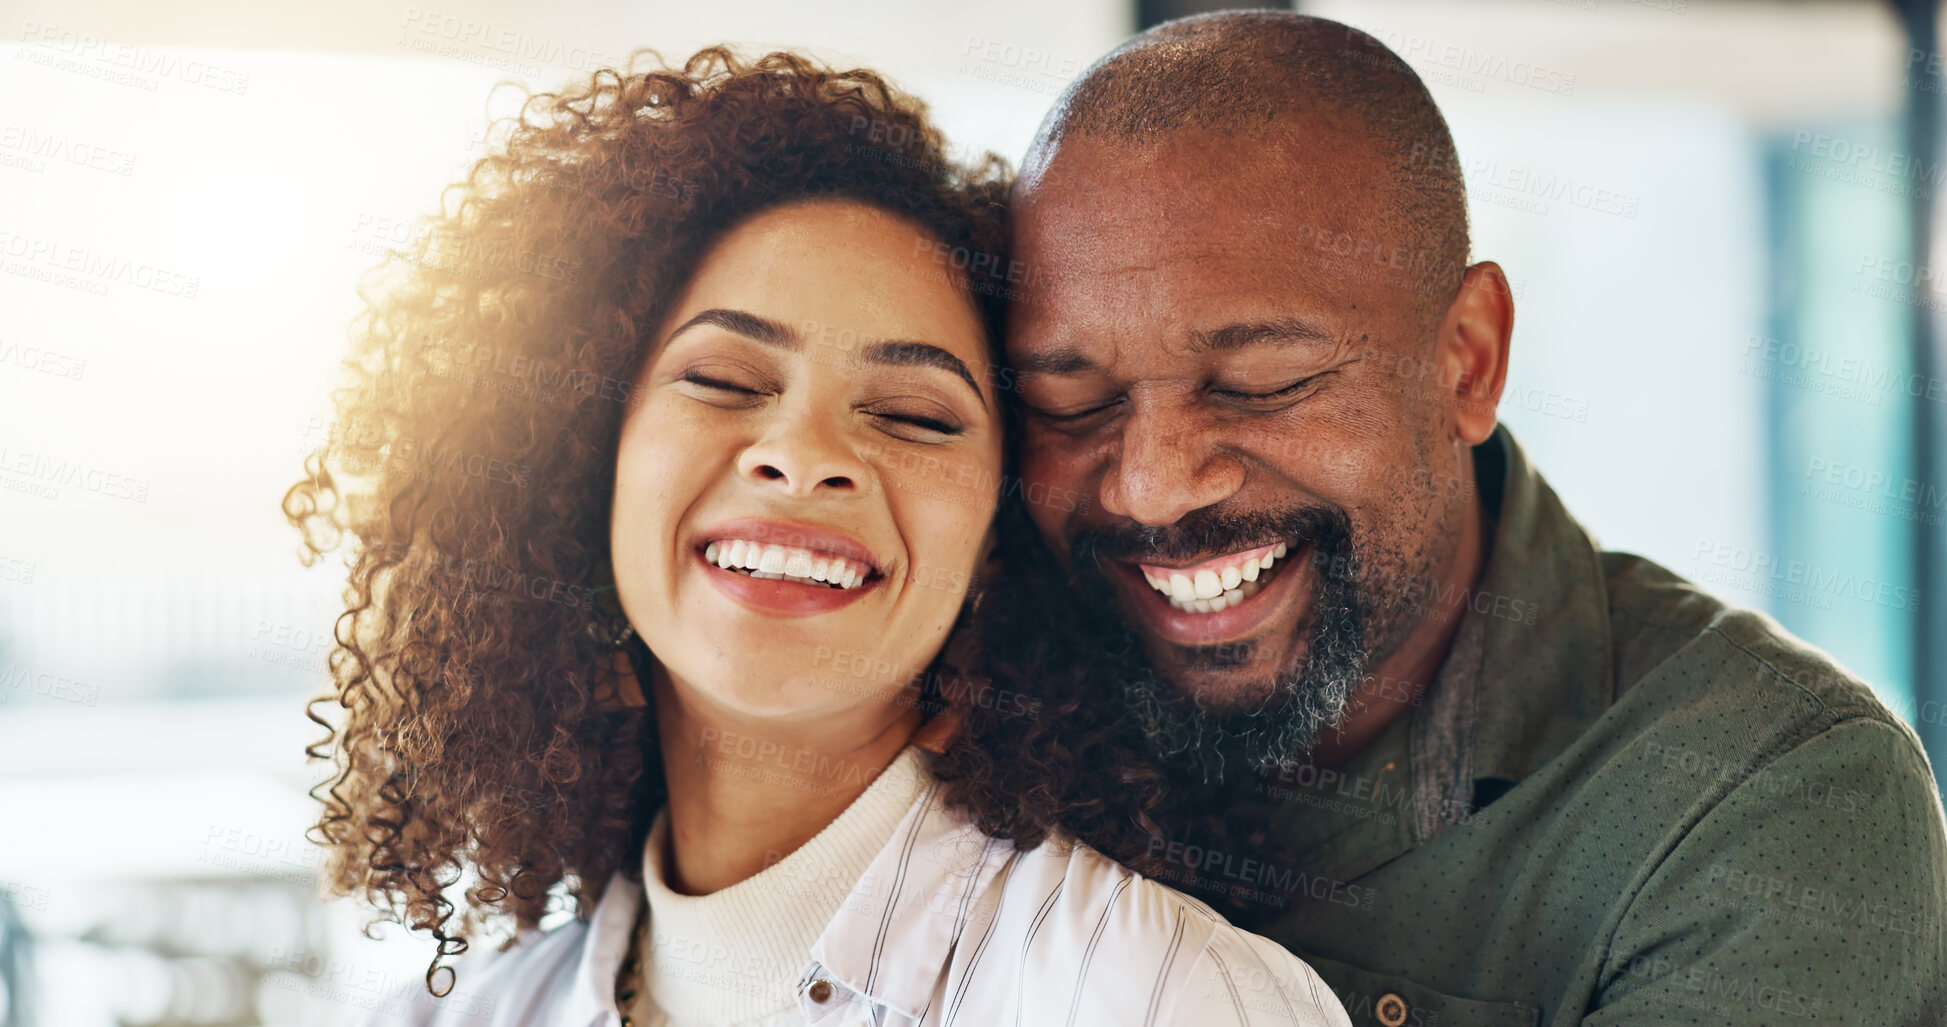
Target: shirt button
x: 1391, y: 1010
x: 820, y: 991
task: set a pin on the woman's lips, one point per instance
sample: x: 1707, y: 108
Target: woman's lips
x: 1234, y: 623
x: 782, y: 597
x: 771, y: 531
x: 786, y: 568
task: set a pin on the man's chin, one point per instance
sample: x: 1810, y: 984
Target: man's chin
x: 1250, y: 684
x: 1233, y: 679
x: 1244, y: 705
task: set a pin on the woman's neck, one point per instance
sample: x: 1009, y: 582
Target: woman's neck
x: 746, y: 792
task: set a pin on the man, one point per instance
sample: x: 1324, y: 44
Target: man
x: 1521, y: 780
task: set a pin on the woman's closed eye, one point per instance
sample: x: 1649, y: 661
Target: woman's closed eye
x: 730, y: 390
x: 717, y: 384
x: 904, y: 422
x: 916, y: 425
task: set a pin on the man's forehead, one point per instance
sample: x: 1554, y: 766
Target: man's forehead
x: 1302, y: 159
x: 1171, y: 282
x: 1183, y: 203
x: 1199, y: 229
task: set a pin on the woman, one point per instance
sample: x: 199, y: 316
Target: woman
x: 673, y: 454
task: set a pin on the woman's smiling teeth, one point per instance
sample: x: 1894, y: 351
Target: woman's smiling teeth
x: 1214, y: 584
x: 786, y: 563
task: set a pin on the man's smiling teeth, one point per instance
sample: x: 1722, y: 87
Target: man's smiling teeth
x: 787, y: 563
x: 1217, y: 585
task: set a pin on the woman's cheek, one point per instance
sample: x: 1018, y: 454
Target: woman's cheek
x: 659, y: 473
x: 953, y: 524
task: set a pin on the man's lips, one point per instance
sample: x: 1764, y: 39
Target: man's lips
x: 1212, y: 585
x: 1249, y: 607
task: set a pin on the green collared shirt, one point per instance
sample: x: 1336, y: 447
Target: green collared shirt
x: 1621, y: 801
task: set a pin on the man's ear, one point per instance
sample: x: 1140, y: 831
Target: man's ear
x: 1472, y: 349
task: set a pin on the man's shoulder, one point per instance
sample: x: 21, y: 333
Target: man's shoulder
x: 1681, y: 652
x: 1779, y: 812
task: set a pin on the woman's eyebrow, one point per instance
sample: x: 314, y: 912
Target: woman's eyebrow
x: 746, y: 324
x: 921, y: 354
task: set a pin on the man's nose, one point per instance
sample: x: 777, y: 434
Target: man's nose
x: 804, y: 454
x: 1165, y: 469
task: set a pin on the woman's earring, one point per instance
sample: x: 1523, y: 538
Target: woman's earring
x: 618, y: 689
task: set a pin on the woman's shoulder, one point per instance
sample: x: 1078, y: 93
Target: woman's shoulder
x: 530, y: 980
x: 1142, y: 948
x: 1077, y: 878
x: 491, y: 985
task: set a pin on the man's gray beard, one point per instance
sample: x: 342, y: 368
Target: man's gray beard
x: 1298, y: 704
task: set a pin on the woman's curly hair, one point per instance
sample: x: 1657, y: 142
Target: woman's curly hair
x: 473, y: 456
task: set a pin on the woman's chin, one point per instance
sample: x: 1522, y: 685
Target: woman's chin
x: 792, y: 692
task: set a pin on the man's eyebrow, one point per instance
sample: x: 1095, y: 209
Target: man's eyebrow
x: 1282, y: 331
x: 1062, y: 360
x: 1279, y: 331
x: 744, y: 323
x: 922, y: 354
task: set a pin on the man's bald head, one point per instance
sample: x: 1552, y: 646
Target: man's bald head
x: 1248, y: 71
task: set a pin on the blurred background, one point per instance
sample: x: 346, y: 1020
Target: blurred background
x: 1717, y: 216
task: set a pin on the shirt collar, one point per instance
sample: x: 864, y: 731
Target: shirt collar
x: 1547, y: 667
x: 893, y: 935
x: 591, y: 999
x: 890, y: 940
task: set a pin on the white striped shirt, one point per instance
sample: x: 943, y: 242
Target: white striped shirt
x: 948, y: 926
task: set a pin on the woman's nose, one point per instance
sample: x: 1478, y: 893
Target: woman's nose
x: 805, y: 455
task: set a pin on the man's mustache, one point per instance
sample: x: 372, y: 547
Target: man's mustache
x: 1209, y: 532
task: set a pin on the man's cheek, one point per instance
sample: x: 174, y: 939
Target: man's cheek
x: 1053, y: 483
x: 1057, y: 529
